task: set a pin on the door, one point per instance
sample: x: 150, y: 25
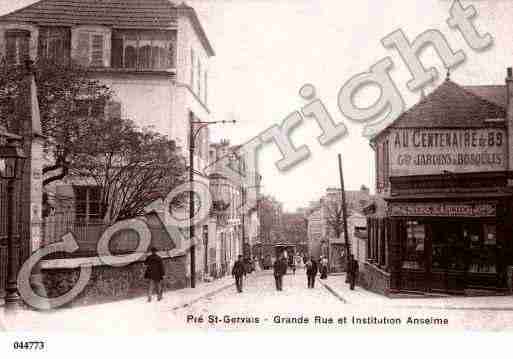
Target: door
x: 447, y: 257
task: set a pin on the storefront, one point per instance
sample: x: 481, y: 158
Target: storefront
x: 442, y: 218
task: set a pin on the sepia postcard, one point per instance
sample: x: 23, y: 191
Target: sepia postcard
x: 261, y: 166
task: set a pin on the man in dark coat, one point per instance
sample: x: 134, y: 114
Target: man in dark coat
x: 280, y: 268
x: 353, y: 271
x: 155, y: 273
x: 311, y: 272
x: 238, y: 271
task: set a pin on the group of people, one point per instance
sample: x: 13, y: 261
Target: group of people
x: 155, y: 272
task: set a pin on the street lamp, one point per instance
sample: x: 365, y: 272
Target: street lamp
x: 11, y: 164
x: 193, y: 132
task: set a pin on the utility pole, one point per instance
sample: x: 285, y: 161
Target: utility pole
x: 191, y: 202
x: 344, y: 210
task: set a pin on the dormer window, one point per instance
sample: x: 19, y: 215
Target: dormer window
x: 17, y: 46
x: 143, y: 50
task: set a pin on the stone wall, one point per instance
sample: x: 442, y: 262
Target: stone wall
x: 110, y: 283
x: 374, y: 279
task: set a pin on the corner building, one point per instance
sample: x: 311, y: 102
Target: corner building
x: 441, y: 221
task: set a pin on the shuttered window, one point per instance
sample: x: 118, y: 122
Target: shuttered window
x: 90, y: 49
x: 97, y: 50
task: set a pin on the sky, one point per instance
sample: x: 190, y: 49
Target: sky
x: 267, y: 50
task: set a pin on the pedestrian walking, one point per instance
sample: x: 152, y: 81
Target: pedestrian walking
x: 324, y: 267
x: 353, y: 271
x: 154, y: 273
x: 311, y: 272
x: 238, y: 271
x: 280, y: 268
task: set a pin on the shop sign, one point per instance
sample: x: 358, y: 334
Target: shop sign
x: 431, y: 151
x: 442, y: 210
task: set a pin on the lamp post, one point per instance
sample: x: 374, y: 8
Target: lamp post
x: 192, y: 138
x: 11, y: 168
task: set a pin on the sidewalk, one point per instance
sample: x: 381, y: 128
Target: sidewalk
x: 119, y: 316
x: 359, y: 296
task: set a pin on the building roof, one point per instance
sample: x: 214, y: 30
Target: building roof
x: 451, y: 106
x: 496, y: 94
x: 126, y: 14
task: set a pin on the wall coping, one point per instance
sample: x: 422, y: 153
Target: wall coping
x: 96, y: 262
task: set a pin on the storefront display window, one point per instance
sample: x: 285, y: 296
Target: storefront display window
x: 413, y: 249
x: 482, y: 248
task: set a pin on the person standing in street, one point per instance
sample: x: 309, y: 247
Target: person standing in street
x: 155, y: 273
x: 324, y: 267
x: 353, y: 271
x: 238, y: 271
x: 311, y: 272
x: 280, y: 268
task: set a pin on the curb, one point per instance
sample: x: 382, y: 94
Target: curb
x: 429, y: 307
x: 203, y: 296
x: 334, y: 293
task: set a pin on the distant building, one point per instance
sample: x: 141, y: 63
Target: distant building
x: 234, y: 231
x: 323, y: 215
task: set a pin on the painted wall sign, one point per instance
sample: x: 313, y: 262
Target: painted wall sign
x: 431, y: 151
x: 442, y: 209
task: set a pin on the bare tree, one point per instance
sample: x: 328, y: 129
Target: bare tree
x: 335, y: 216
x: 131, y: 167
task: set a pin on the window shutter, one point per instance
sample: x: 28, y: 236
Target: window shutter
x: 82, y: 55
x: 10, y: 52
x: 43, y: 46
x: 97, y: 50
x: 117, y: 52
x: 192, y: 69
x: 206, y: 87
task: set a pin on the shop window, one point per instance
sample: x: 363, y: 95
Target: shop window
x: 17, y: 46
x: 55, y: 43
x: 482, y: 248
x: 413, y: 246
x: 143, y: 50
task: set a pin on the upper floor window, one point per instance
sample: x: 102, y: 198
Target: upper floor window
x: 55, y: 43
x: 143, y: 50
x: 17, y: 46
x: 87, y: 203
x: 90, y: 48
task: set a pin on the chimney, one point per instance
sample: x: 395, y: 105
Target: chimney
x: 509, y: 119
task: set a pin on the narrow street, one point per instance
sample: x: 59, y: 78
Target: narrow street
x: 218, y: 306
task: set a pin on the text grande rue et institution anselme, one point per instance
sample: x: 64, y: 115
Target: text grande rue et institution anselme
x: 224, y: 319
